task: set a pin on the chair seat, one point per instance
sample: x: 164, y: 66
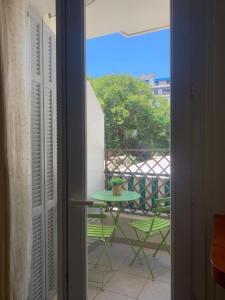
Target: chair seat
x: 163, y: 209
x: 145, y: 225
x: 97, y: 231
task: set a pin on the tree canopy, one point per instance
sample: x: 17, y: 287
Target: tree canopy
x: 134, y: 116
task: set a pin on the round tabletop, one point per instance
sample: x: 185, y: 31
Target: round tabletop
x: 107, y: 196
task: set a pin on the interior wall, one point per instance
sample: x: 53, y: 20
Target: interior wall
x: 215, y: 129
x: 198, y: 124
x: 207, y: 124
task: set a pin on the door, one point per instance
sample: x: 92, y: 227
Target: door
x: 72, y: 152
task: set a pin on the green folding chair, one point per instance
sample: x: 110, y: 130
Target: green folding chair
x: 102, y: 233
x: 162, y: 206
x: 151, y: 227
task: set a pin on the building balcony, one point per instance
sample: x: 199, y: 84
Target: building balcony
x: 147, y: 172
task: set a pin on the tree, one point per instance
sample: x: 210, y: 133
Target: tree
x: 134, y: 116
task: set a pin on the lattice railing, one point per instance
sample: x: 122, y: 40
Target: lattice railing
x: 146, y: 171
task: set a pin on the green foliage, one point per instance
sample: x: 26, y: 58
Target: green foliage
x: 117, y: 181
x: 134, y: 116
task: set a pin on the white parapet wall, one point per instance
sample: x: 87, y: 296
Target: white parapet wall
x: 95, y: 143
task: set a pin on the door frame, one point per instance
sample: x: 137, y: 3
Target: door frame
x: 71, y: 86
x: 180, y: 153
x: 187, y: 144
x: 191, y: 60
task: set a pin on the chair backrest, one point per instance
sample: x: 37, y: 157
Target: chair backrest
x: 162, y: 206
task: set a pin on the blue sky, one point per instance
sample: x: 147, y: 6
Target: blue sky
x: 147, y: 53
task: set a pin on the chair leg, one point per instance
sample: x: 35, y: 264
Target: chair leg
x: 148, y: 264
x: 141, y: 249
x: 162, y: 242
x: 100, y: 255
x: 135, y: 256
x: 141, y: 244
x: 107, y: 254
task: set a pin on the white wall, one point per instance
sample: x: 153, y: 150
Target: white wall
x: 95, y: 143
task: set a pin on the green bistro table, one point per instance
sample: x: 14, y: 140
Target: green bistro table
x: 107, y: 197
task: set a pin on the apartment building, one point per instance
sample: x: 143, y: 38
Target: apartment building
x: 160, y: 86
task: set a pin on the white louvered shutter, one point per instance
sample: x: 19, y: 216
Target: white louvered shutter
x: 49, y: 59
x: 44, y: 168
x: 37, y: 284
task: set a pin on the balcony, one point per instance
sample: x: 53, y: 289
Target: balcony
x: 147, y: 172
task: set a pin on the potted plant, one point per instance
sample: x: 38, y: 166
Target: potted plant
x: 116, y: 184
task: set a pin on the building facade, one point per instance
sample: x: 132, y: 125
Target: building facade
x: 160, y: 86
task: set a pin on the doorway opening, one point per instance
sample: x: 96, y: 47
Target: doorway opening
x: 128, y: 142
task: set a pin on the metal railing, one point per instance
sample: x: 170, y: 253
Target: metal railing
x: 147, y: 171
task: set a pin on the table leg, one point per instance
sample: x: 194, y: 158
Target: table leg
x: 115, y: 220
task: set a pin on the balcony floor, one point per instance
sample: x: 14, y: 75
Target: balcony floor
x: 133, y: 282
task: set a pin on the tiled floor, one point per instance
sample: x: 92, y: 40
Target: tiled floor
x: 133, y: 282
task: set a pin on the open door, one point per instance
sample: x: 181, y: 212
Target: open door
x: 72, y: 252
x: 72, y: 257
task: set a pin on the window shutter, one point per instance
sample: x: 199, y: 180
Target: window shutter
x: 37, y: 284
x: 44, y: 168
x: 49, y: 58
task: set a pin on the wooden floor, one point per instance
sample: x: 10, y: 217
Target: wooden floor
x: 127, y: 282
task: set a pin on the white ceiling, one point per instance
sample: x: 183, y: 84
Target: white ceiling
x: 129, y: 17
